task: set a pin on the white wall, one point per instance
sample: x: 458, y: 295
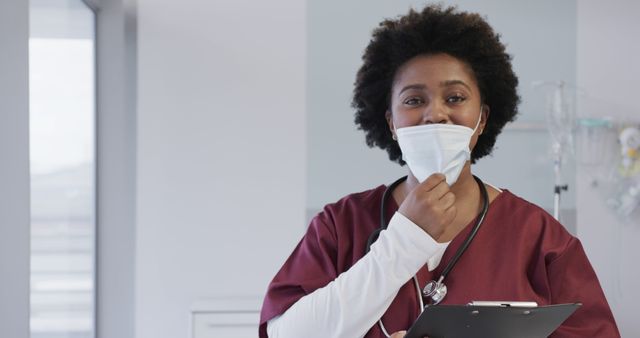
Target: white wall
x: 221, y: 152
x: 14, y: 169
x: 608, y: 71
x: 232, y: 135
x: 339, y: 160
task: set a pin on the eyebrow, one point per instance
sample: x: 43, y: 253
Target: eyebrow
x: 447, y: 83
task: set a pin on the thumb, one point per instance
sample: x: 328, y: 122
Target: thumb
x: 398, y: 334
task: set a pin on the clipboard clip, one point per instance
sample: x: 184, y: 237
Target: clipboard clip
x: 503, y: 304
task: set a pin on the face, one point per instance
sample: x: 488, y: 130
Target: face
x: 436, y: 89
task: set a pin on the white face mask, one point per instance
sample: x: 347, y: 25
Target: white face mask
x: 436, y: 148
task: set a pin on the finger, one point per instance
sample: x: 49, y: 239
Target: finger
x: 432, y: 181
x: 450, y: 215
x: 448, y: 200
x: 440, y: 190
x: 398, y: 334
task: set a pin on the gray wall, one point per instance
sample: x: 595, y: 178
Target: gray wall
x: 539, y: 34
x: 608, y: 71
x: 116, y: 123
x: 220, y: 152
x: 14, y: 169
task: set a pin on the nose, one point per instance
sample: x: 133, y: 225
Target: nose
x: 435, y: 113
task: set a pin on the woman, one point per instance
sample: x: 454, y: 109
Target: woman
x: 435, y: 89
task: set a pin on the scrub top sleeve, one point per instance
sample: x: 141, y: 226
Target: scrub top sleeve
x: 573, y: 280
x: 311, y: 265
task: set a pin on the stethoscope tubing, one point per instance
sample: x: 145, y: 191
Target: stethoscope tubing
x: 383, y: 225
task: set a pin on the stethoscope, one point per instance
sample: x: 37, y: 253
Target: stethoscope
x: 435, y: 290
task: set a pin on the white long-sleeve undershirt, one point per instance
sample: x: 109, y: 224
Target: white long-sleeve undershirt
x: 352, y: 303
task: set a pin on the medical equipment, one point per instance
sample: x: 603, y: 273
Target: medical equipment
x: 560, y: 116
x: 435, y: 290
x: 625, y: 199
x: 595, y: 140
x: 630, y: 151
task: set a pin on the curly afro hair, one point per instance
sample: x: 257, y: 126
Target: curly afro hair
x: 435, y: 30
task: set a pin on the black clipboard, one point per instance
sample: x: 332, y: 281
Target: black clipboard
x: 467, y: 321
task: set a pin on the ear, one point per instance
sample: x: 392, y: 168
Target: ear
x: 485, y: 117
x: 389, y: 117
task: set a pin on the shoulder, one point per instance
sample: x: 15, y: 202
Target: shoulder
x: 348, y: 223
x: 533, y: 224
x: 355, y: 203
x: 356, y: 208
x: 529, y: 214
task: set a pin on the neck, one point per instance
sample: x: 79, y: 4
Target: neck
x: 465, y: 188
x: 468, y: 200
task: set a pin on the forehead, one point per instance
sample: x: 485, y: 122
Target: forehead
x: 430, y: 70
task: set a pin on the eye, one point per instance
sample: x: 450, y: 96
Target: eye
x: 413, y: 101
x: 457, y: 98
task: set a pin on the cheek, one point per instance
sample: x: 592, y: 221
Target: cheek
x: 406, y: 117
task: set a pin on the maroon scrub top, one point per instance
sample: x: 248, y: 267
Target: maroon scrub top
x: 520, y: 253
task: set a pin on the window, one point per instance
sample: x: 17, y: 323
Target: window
x: 62, y: 157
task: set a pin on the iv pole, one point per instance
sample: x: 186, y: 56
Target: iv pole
x: 559, y: 187
x: 559, y: 109
x: 560, y: 122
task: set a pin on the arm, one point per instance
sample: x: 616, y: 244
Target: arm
x: 572, y: 279
x: 352, y: 303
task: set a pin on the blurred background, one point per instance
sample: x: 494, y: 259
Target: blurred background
x: 161, y: 159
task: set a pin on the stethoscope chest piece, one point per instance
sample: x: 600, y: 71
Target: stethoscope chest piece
x: 435, y: 290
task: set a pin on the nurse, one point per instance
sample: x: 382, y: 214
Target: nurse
x: 435, y: 89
